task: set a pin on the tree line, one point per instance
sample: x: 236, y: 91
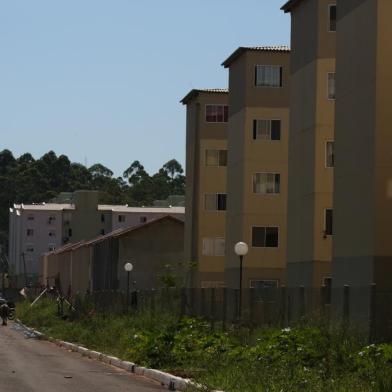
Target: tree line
x: 28, y: 180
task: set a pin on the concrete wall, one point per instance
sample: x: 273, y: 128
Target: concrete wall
x: 247, y: 157
x: 310, y: 188
x: 150, y: 249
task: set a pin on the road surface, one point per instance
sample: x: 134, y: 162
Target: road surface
x: 30, y: 365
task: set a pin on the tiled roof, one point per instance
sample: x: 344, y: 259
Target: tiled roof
x: 114, y: 234
x: 195, y: 92
x: 242, y: 49
x: 287, y: 7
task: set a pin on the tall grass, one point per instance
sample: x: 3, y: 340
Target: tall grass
x: 312, y: 356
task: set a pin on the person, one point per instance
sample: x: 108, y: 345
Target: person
x: 4, y: 311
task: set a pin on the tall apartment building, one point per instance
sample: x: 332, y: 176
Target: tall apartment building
x: 258, y: 132
x: 311, y: 157
x: 363, y: 173
x: 39, y: 228
x: 206, y: 170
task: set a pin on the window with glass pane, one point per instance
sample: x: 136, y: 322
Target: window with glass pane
x: 221, y: 201
x: 258, y: 237
x: 328, y: 221
x: 216, y: 157
x: 219, y: 247
x: 212, y: 157
x: 263, y: 284
x: 332, y: 18
x: 208, y: 246
x: 329, y: 154
x: 266, y: 183
x: 265, y: 237
x: 217, y: 113
x: 331, y: 85
x: 271, y: 237
x: 268, y: 76
x: 266, y: 129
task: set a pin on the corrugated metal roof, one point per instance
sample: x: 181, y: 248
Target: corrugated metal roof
x: 157, y: 210
x: 242, y: 49
x: 45, y: 207
x: 195, y: 92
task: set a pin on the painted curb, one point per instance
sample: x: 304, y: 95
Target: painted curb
x: 173, y: 383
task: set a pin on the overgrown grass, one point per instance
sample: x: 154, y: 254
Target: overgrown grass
x: 309, y: 357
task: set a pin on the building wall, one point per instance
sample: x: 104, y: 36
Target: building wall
x: 154, y: 250
x: 248, y: 157
x: 201, y: 180
x: 309, y: 251
x: 363, y: 190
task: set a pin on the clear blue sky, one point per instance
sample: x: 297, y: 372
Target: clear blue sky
x: 101, y: 79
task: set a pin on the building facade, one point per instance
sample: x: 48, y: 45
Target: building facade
x: 311, y: 143
x: 206, y: 193
x: 39, y: 228
x: 258, y: 132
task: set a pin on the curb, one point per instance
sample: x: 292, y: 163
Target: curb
x: 171, y: 382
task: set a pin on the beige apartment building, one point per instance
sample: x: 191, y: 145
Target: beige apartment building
x: 363, y: 176
x: 206, y: 193
x: 311, y: 144
x: 258, y: 134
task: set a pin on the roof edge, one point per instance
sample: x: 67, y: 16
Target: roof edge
x: 242, y: 49
x: 287, y: 7
x: 194, y: 93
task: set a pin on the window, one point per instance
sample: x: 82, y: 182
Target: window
x: 51, y: 247
x: 29, y: 248
x: 52, y: 219
x: 328, y: 229
x: 30, y: 217
x: 217, y: 113
x: 102, y: 218
x: 121, y: 218
x: 213, y: 247
x: 29, y: 232
x: 215, y: 202
x: 52, y: 233
x: 268, y: 76
x: 263, y: 284
x: 67, y: 216
x: 143, y: 219
x: 265, y: 237
x: 216, y: 157
x: 266, y: 183
x: 329, y: 154
x: 266, y: 129
x: 331, y: 85
x: 332, y: 18
x: 69, y: 232
x: 102, y: 231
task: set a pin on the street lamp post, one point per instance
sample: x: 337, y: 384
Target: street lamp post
x: 241, y: 250
x: 128, y: 267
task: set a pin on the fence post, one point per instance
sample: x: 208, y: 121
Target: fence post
x: 183, y: 302
x: 224, y: 307
x: 302, y: 301
x: 212, y: 313
x: 346, y: 303
x: 251, y: 307
x: 283, y: 305
x: 203, y: 305
x: 372, y: 313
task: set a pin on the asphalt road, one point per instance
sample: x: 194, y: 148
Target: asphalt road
x: 30, y: 365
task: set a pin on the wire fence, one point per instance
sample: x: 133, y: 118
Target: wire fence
x: 366, y: 308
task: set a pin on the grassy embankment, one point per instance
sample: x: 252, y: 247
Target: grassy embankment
x: 310, y: 357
